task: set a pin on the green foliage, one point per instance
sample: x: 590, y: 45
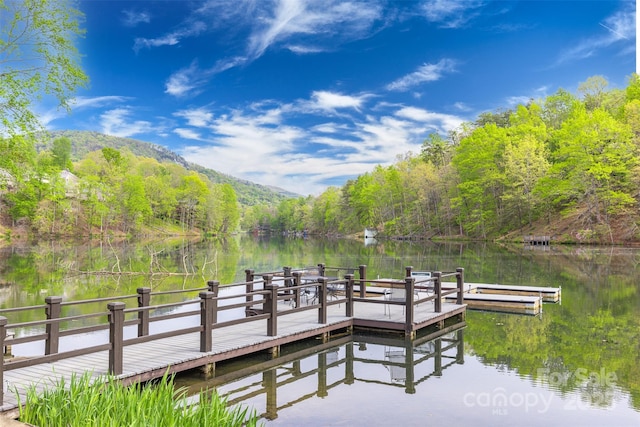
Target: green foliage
x: 106, y: 402
x: 38, y: 58
x: 592, y: 164
x: 84, y: 143
x: 556, y: 157
x: 61, y: 152
x: 505, y: 171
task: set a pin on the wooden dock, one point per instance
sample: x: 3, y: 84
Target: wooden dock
x: 508, y: 298
x: 548, y: 294
x: 504, y: 303
x: 200, y: 339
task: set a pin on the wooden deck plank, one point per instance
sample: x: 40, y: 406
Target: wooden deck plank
x: 183, y: 352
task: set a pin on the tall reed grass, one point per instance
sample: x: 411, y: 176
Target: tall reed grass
x: 106, y: 402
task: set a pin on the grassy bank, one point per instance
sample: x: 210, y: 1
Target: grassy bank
x: 85, y: 402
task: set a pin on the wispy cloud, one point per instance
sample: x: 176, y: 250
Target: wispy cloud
x: 617, y: 29
x: 305, y: 159
x: 79, y: 103
x: 187, y: 133
x: 450, y: 13
x: 170, y: 39
x: 117, y: 122
x: 442, y: 123
x: 187, y: 81
x: 425, y: 73
x: 96, y: 101
x: 131, y: 18
x: 333, y: 101
x: 344, y: 20
x: 197, y: 117
x: 301, y: 49
x: 301, y: 26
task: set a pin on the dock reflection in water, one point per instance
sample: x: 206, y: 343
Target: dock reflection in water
x: 304, y: 372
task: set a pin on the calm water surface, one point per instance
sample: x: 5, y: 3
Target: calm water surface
x: 576, y: 364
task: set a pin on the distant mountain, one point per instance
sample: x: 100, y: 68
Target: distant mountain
x: 84, y: 142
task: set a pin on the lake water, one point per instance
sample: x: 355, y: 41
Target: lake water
x: 576, y: 364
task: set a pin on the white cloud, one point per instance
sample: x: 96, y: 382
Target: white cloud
x: 170, y: 39
x: 304, y: 49
x: 96, y: 101
x: 332, y: 101
x: 617, y: 29
x: 260, y: 143
x: 425, y: 73
x: 317, y: 26
x: 186, y: 82
x: 115, y: 122
x: 77, y: 104
x: 187, y: 133
x: 450, y: 13
x: 197, y: 117
x: 257, y: 144
x: 132, y: 18
x: 320, y: 20
x: 443, y: 123
x: 461, y: 106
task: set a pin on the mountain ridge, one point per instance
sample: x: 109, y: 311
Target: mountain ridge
x: 83, y: 142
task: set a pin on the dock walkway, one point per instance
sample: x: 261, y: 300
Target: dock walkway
x: 150, y: 356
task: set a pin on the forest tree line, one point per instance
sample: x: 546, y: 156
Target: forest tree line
x: 565, y: 156
x: 108, y: 191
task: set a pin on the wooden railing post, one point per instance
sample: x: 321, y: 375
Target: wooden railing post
x: 249, y: 287
x: 460, y: 280
x: 53, y: 311
x: 214, y: 287
x: 409, y: 309
x: 144, y: 300
x: 408, y: 270
x: 116, y: 337
x: 322, y: 375
x: 437, y: 361
x: 437, y: 291
x: 3, y: 333
x: 271, y: 305
x: 206, y: 320
x: 286, y: 271
x: 363, y: 276
x: 322, y: 298
x: 349, y: 376
x: 349, y: 294
x: 297, y: 280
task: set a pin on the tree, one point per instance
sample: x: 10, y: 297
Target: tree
x: 436, y: 149
x: 61, y: 152
x: 136, y: 206
x: 593, y: 90
x: 479, y: 163
x: 229, y: 209
x: 592, y: 165
x: 37, y: 58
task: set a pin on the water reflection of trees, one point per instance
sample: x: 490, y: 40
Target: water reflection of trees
x: 345, y: 360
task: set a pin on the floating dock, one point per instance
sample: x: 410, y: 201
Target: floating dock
x: 508, y: 298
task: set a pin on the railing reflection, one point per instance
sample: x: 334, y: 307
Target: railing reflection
x: 288, y: 380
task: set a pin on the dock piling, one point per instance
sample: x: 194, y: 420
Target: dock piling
x: 116, y: 337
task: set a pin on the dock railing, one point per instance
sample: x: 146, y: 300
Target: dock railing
x: 261, y: 296
x: 431, y: 286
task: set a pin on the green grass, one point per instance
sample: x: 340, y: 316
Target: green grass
x: 86, y: 402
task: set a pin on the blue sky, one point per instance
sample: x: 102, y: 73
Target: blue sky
x: 304, y: 94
